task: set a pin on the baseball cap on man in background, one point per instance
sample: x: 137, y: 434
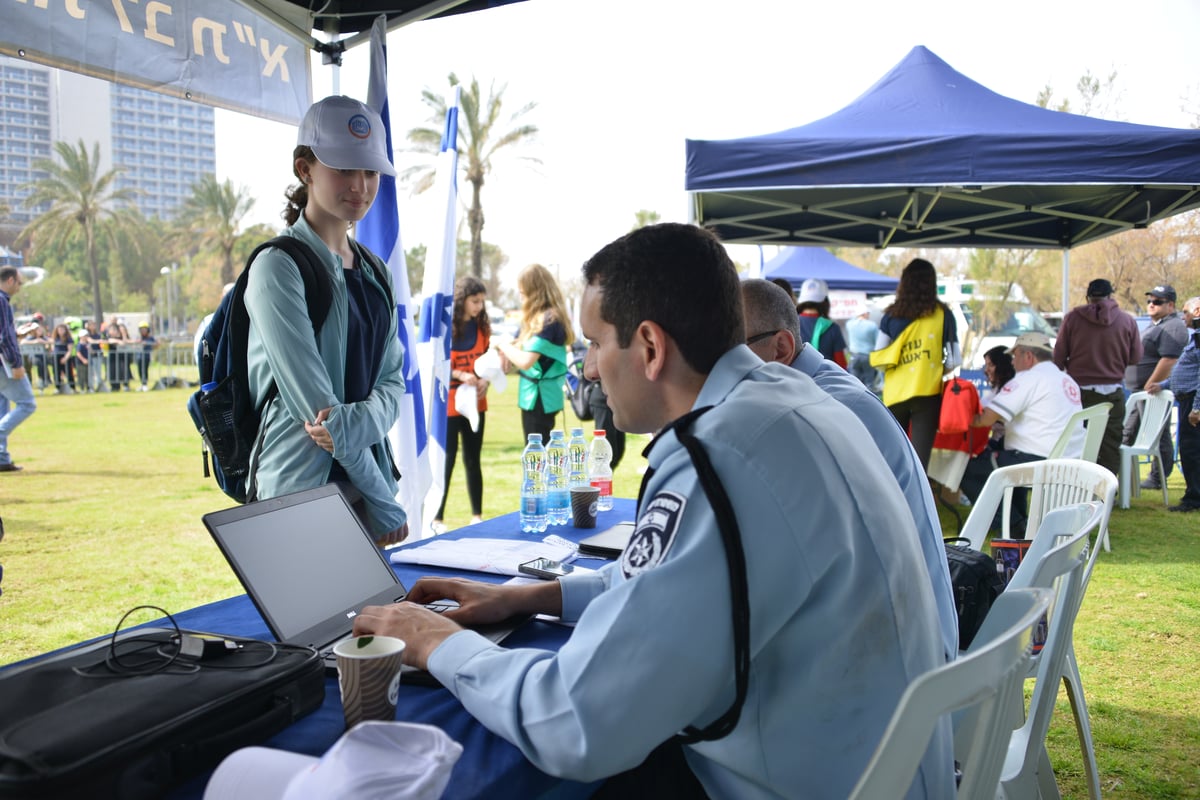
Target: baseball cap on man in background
x: 345, y: 134
x: 1163, y: 291
x: 1099, y: 288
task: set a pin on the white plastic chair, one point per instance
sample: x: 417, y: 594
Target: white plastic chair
x: 1156, y: 414
x: 982, y: 684
x: 1094, y: 419
x: 1057, y: 524
x: 1061, y: 483
x: 1050, y: 563
x: 1053, y: 483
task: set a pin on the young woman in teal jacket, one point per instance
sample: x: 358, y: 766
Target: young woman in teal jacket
x: 340, y: 392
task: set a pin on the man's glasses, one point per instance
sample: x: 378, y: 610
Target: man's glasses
x: 1154, y: 301
x: 758, y: 337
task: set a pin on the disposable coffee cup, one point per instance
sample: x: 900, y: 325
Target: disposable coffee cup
x: 584, y: 501
x: 369, y: 677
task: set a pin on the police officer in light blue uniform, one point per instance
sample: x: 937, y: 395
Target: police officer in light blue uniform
x: 773, y: 335
x: 799, y: 657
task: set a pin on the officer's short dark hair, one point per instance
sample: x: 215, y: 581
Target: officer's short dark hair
x: 678, y: 276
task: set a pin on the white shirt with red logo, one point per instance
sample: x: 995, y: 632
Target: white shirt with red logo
x: 1035, y: 407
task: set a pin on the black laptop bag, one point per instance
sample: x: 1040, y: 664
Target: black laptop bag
x: 976, y: 586
x: 71, y: 726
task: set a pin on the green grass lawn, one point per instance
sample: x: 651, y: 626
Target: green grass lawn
x: 106, y: 516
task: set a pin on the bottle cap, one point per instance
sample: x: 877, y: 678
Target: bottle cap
x: 208, y: 387
x: 601, y: 433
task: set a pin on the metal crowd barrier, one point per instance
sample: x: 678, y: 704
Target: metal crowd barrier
x: 112, y: 367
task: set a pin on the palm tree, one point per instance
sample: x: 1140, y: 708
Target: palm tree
x: 214, y: 214
x: 82, y: 201
x: 481, y: 133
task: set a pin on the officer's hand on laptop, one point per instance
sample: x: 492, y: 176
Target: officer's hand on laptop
x: 486, y: 603
x: 421, y: 629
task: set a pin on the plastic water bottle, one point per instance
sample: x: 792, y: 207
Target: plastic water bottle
x: 558, y: 496
x: 533, y: 486
x: 577, y: 454
x: 600, y: 469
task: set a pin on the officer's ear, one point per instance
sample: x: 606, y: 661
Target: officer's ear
x: 651, y: 342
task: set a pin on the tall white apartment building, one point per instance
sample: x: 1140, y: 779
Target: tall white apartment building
x: 164, y: 145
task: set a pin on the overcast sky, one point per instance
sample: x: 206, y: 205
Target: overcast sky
x: 620, y: 85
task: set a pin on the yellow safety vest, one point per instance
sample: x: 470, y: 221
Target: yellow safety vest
x: 912, y: 363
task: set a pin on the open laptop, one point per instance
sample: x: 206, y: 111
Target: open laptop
x: 310, y: 566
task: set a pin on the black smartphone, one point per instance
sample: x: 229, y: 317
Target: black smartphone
x: 545, y: 568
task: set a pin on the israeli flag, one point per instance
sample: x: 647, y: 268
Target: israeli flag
x: 433, y: 342
x: 379, y: 230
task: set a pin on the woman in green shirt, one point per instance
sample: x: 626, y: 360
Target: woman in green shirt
x: 540, y: 350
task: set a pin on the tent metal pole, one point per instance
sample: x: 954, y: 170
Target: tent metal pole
x: 1066, y: 279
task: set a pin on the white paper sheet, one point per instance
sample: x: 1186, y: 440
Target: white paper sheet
x: 497, y: 556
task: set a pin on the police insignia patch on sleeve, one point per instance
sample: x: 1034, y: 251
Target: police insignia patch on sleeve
x: 655, y: 532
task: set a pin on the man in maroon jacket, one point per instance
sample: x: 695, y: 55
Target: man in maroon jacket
x: 1095, y: 344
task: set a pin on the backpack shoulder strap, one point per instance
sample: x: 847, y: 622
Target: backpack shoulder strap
x: 318, y: 290
x: 378, y: 268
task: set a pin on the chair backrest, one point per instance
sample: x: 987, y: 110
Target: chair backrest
x: 1156, y: 413
x: 1059, y: 523
x: 1053, y: 483
x: 982, y: 684
x: 1056, y: 560
x: 1093, y: 418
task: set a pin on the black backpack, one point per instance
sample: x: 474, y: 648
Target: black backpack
x: 224, y: 414
x: 976, y: 586
x: 579, y: 389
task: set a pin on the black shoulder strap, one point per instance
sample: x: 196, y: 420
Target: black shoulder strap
x: 735, y: 559
x: 318, y: 291
x: 378, y: 268
x: 318, y: 296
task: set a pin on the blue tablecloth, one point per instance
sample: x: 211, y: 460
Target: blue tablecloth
x: 490, y: 767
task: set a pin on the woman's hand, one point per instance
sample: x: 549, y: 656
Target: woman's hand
x: 392, y: 537
x: 317, y: 431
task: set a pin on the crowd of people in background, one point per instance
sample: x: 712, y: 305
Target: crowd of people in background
x: 1099, y: 356
x: 81, y: 356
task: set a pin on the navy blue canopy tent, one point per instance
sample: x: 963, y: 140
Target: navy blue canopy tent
x: 927, y: 158
x: 796, y: 264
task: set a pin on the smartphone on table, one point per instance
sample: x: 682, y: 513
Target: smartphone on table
x: 546, y: 568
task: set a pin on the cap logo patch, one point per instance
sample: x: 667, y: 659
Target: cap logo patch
x: 360, y: 127
x: 655, y: 532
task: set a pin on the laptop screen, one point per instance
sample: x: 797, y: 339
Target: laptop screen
x: 305, y: 560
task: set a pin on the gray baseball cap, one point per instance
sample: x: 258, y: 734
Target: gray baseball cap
x: 345, y: 134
